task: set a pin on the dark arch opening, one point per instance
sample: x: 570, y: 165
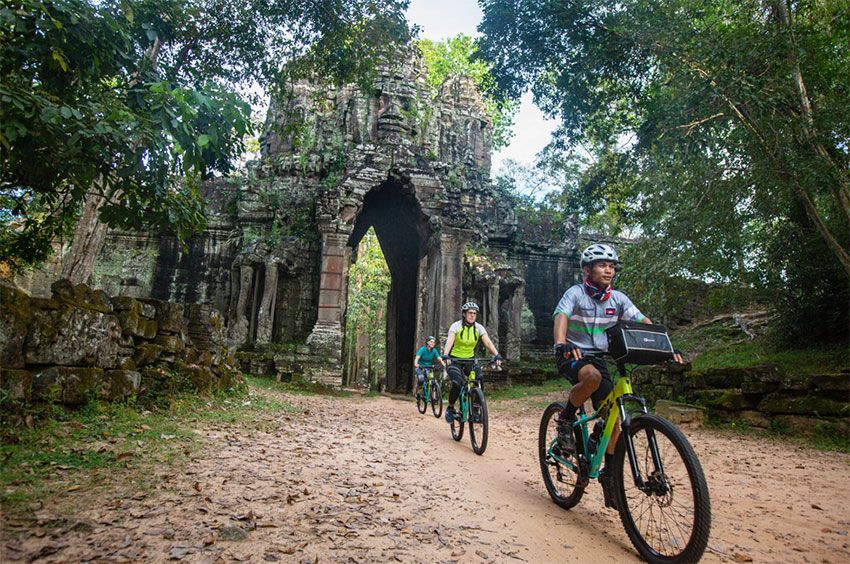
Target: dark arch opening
x: 402, y: 230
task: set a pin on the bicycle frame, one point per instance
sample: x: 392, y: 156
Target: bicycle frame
x: 620, y: 396
x: 426, y: 386
x: 472, y: 381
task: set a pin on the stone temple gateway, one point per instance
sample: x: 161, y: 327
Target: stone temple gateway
x: 275, y: 257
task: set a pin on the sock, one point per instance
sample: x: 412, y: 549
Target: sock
x: 569, y: 411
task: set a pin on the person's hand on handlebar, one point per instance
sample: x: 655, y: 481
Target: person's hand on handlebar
x: 497, y: 359
x: 446, y: 360
x: 677, y: 356
x: 568, y: 351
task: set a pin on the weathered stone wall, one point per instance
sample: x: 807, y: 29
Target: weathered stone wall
x: 81, y: 344
x: 762, y: 396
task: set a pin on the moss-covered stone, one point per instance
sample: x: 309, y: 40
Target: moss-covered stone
x: 66, y: 384
x: 73, y: 336
x: 120, y: 384
x: 15, y: 313
x: 799, y: 404
x: 16, y: 384
x: 832, y: 383
x: 146, y: 354
x: 126, y: 303
x: 81, y: 296
x: 754, y: 418
x: 170, y: 343
x: 759, y: 388
x: 728, y: 400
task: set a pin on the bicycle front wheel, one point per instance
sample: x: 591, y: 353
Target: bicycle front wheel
x: 560, y: 469
x: 436, y: 400
x: 457, y: 425
x: 421, y: 404
x: 479, y: 425
x: 669, y: 519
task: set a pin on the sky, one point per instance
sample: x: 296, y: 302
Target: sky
x: 440, y: 19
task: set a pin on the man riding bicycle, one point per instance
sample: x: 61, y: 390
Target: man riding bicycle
x: 459, y: 351
x: 585, y: 311
x: 424, y: 361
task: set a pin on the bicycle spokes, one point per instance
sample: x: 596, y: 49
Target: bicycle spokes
x: 667, y: 515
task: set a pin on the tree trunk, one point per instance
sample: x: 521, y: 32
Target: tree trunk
x: 89, y: 235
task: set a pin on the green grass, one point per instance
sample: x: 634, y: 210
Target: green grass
x: 715, y: 347
x: 68, y: 449
x: 528, y: 390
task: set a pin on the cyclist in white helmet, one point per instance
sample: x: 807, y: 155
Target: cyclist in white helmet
x: 585, y: 311
x: 459, y: 351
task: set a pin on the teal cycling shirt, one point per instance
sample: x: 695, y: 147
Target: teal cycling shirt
x: 426, y: 357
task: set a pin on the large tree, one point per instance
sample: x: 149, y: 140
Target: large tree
x: 127, y: 105
x: 719, y: 128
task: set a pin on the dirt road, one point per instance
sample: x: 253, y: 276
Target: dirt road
x: 371, y: 480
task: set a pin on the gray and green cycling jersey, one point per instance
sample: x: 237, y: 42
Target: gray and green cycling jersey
x: 589, y: 318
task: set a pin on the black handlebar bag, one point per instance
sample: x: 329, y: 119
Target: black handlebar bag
x: 639, y: 343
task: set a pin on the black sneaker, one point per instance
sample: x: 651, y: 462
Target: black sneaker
x: 566, y: 444
x: 607, y: 482
x: 450, y: 414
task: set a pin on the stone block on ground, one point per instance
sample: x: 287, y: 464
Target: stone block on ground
x: 120, y: 384
x: 724, y: 399
x: 832, y: 383
x: 16, y: 384
x: 681, y: 413
x: 81, y: 296
x: 754, y: 418
x: 73, y: 337
x: 15, y: 311
x: 789, y: 402
x: 66, y: 384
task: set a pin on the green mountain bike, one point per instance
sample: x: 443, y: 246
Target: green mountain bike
x: 431, y: 394
x: 473, y: 409
x: 659, y: 486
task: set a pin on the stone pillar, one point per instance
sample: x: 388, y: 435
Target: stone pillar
x: 491, y: 323
x: 334, y: 246
x: 325, y: 341
x: 265, y: 315
x: 513, y: 338
x: 452, y: 245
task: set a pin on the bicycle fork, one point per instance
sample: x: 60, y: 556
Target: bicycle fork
x: 626, y: 419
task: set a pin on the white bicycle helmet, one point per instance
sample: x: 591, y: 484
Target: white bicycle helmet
x: 469, y: 305
x: 599, y: 251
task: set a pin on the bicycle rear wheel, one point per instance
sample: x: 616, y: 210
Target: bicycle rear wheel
x: 436, y: 399
x: 479, y: 425
x: 560, y: 470
x: 669, y: 521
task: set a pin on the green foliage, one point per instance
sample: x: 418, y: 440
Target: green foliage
x: 369, y: 284
x: 717, y: 155
x: 135, y: 101
x: 458, y: 56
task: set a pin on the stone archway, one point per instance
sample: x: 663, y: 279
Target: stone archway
x: 403, y: 231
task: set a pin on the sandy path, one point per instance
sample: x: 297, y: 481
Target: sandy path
x: 371, y: 480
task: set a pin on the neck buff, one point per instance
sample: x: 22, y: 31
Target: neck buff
x: 595, y: 292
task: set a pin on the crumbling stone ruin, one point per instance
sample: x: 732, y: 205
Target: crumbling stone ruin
x: 275, y: 257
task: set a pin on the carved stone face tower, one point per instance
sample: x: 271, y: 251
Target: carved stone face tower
x: 412, y: 163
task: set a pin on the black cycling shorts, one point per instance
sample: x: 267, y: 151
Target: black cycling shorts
x: 570, y: 369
